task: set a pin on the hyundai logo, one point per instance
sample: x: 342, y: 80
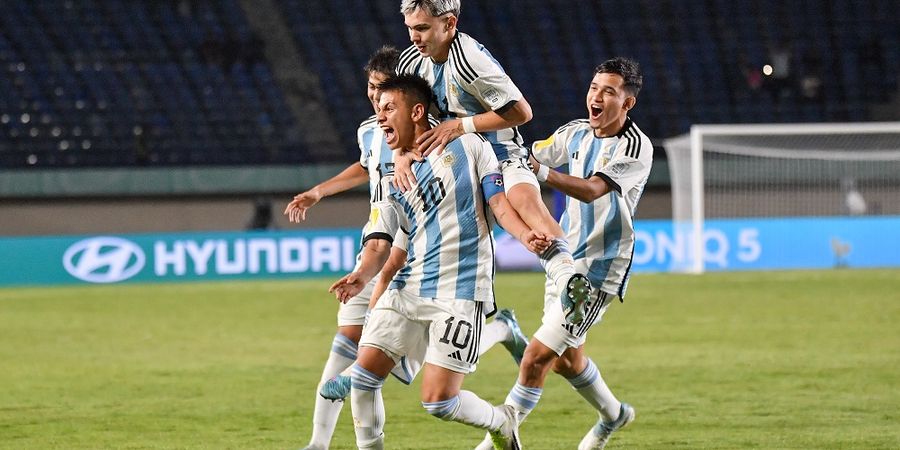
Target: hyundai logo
x: 103, y: 260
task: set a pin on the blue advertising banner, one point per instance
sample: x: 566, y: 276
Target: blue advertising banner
x: 734, y: 244
x: 754, y: 244
x: 173, y: 257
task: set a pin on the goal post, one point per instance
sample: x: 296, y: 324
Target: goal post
x: 779, y: 171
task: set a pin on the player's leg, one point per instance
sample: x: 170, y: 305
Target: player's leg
x: 452, y: 353
x: 584, y: 376
x: 385, y: 337
x: 524, y: 194
x: 351, y: 316
x: 504, y: 329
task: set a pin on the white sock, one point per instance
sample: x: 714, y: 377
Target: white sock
x: 591, y: 386
x: 325, y: 416
x: 557, y: 261
x: 524, y: 399
x: 492, y: 333
x: 368, y: 408
x: 469, y: 409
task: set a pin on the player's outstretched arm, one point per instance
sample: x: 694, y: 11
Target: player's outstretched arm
x: 512, y: 115
x: 374, y: 254
x: 354, y: 175
x: 585, y: 190
x: 534, y: 241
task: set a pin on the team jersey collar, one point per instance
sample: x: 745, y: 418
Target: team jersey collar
x: 625, y: 127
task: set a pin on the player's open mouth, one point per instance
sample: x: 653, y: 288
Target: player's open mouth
x: 421, y: 48
x: 596, y: 111
x: 388, y: 133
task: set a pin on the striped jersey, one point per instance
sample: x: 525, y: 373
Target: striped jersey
x: 601, y: 233
x: 451, y: 249
x: 470, y: 82
x: 374, y: 154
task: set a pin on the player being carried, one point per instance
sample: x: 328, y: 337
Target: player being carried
x: 609, y: 161
x: 442, y: 294
x: 374, y: 163
x: 473, y: 94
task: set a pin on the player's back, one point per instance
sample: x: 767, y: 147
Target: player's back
x: 451, y: 247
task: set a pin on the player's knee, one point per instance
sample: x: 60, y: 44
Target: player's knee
x: 443, y: 409
x: 362, y: 379
x: 565, y: 367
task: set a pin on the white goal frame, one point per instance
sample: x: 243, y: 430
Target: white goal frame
x: 696, y: 137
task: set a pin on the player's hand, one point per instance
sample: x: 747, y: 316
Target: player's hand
x: 404, y: 179
x: 347, y: 287
x: 438, y: 137
x: 296, y: 209
x: 535, y: 241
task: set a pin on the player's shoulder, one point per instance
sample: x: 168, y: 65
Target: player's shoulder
x: 470, y: 59
x: 635, y: 142
x: 369, y: 124
x: 408, y: 60
x: 473, y: 141
x: 574, y: 125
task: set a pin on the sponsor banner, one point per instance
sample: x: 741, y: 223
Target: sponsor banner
x: 738, y: 244
x: 752, y: 244
x: 173, y: 257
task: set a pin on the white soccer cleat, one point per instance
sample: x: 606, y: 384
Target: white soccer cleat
x: 598, y: 435
x: 507, y: 437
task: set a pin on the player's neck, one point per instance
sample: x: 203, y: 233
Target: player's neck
x: 611, y: 130
x: 444, y: 54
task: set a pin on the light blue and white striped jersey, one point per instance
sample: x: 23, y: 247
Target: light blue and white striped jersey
x: 451, y: 249
x: 601, y: 233
x: 374, y: 154
x: 470, y: 82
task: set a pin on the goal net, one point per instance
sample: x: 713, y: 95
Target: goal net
x: 783, y: 170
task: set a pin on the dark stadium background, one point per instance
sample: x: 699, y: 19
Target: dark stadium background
x: 166, y: 115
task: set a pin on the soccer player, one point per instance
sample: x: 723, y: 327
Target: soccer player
x: 442, y: 294
x: 609, y: 160
x: 474, y: 94
x: 375, y: 162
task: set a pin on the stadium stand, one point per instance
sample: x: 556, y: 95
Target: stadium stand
x: 153, y: 83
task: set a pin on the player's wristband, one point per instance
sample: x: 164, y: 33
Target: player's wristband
x: 542, y: 173
x: 468, y: 124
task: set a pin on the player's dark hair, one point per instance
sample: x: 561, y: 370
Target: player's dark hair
x: 628, y: 69
x: 414, y: 87
x: 384, y: 60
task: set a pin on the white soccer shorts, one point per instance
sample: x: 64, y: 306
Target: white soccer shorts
x: 450, y: 329
x: 517, y: 171
x: 353, y: 313
x: 555, y: 332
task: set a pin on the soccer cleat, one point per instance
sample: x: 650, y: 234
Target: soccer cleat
x: 573, y: 298
x: 598, y: 436
x: 517, y: 343
x: 507, y: 437
x: 336, y: 388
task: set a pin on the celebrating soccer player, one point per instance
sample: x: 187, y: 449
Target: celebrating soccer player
x: 609, y: 162
x: 442, y: 294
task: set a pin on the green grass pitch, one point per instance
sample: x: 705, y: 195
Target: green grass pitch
x: 741, y: 360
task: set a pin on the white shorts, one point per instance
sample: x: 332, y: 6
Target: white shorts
x: 450, y: 330
x: 517, y: 171
x: 353, y: 313
x: 555, y: 332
